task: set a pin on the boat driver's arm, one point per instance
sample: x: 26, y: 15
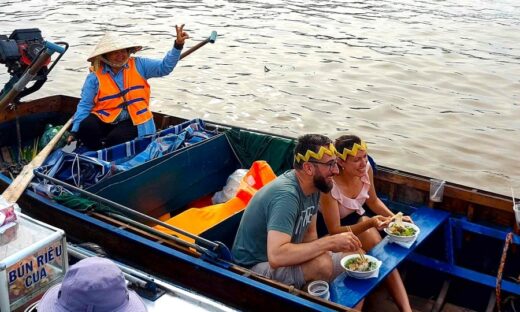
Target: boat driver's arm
x: 150, y: 68
x: 85, y: 105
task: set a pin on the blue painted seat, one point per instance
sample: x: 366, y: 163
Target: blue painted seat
x: 349, y: 291
x: 453, y: 238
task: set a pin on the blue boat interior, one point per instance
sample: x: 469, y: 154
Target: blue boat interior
x: 167, y: 185
x: 174, y: 181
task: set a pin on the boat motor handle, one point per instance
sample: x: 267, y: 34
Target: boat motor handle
x: 53, y: 47
x: 32, y: 71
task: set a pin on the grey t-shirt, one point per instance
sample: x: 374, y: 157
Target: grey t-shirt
x: 281, y: 206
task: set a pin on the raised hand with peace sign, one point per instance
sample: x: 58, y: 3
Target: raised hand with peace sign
x: 181, y: 35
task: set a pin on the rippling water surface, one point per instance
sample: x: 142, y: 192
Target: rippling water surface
x: 432, y: 86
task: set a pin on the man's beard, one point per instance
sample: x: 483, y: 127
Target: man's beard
x: 322, y: 184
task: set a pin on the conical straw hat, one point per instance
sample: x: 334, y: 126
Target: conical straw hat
x: 112, y: 42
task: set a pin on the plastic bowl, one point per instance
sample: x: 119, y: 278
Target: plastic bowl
x: 403, y: 239
x: 359, y: 274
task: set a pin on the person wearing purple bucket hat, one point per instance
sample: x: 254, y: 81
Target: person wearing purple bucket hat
x: 93, y: 284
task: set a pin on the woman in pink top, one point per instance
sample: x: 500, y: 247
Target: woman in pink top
x: 342, y: 208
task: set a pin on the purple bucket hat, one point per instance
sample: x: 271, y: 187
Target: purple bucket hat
x: 93, y: 284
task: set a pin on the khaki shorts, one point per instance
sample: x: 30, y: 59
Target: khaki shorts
x: 336, y: 262
x: 293, y: 275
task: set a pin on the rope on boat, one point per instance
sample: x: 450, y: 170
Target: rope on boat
x: 12, y: 169
x: 509, y: 239
x: 18, y: 135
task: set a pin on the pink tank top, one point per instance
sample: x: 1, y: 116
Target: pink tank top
x: 349, y: 205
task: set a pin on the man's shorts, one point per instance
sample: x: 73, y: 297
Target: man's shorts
x: 293, y: 275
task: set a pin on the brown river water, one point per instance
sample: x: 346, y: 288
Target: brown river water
x: 432, y: 86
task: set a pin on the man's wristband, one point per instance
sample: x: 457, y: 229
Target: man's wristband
x: 178, y: 46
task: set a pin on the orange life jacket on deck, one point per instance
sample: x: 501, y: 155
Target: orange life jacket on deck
x: 198, y: 220
x: 110, y: 100
x: 258, y: 175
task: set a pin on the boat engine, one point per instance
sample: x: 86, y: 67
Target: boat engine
x: 19, y: 52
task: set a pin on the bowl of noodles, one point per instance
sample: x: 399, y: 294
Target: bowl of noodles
x: 357, y: 267
x: 404, y: 232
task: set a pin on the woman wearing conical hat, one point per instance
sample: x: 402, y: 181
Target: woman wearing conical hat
x: 114, y: 105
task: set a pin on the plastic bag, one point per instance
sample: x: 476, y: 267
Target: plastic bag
x: 49, y: 133
x: 231, y: 187
x: 8, y: 224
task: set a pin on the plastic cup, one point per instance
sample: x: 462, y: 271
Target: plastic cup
x: 436, y: 190
x: 319, y: 289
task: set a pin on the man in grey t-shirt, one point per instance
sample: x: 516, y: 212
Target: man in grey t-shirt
x: 277, y: 236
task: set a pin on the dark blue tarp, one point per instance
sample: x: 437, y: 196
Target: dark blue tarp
x: 91, y: 167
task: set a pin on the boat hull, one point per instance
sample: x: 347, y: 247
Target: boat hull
x: 222, y: 281
x: 187, y: 271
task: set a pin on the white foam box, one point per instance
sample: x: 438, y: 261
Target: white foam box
x: 32, y: 259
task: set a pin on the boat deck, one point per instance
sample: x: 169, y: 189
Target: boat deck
x: 381, y: 301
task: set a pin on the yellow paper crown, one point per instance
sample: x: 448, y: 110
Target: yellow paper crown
x: 353, y: 152
x: 319, y: 155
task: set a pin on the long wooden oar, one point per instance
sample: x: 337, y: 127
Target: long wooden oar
x: 18, y: 185
x: 210, y: 39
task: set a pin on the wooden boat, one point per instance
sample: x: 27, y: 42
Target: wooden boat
x: 165, y: 187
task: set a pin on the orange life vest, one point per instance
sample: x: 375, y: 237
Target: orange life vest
x: 110, y: 100
x: 198, y: 220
